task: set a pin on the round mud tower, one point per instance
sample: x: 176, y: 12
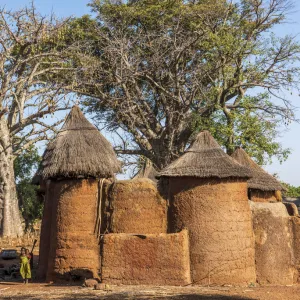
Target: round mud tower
x: 217, y: 214
x: 137, y: 207
x: 45, y: 233
x: 75, y: 250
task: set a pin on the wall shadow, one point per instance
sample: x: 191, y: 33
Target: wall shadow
x: 127, y: 296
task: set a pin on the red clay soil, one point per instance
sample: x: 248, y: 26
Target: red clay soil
x: 160, y: 259
x: 265, y: 196
x: 273, y: 244
x: 74, y: 247
x: 45, y: 232
x: 217, y: 214
x: 54, y: 292
x: 137, y: 207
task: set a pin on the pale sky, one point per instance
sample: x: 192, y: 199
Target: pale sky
x: 287, y: 171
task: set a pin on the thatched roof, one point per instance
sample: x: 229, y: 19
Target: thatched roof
x: 79, y: 150
x: 205, y: 159
x: 261, y: 180
x: 147, y: 171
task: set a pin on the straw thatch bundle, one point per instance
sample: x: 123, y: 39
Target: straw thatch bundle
x: 205, y: 159
x: 260, y: 180
x: 79, y: 150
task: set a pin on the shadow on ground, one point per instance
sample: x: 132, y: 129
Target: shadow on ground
x: 124, y: 296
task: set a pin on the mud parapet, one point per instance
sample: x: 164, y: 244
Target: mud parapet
x: 152, y: 259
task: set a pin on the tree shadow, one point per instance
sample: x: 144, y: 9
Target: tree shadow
x: 127, y: 296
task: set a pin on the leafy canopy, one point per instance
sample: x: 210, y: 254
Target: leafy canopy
x: 160, y: 71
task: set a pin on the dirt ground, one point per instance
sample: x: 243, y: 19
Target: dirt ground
x: 34, y: 291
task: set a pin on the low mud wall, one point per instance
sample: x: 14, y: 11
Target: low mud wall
x: 135, y: 206
x: 153, y: 259
x: 265, y: 196
x: 17, y: 243
x: 295, y: 225
x: 273, y: 244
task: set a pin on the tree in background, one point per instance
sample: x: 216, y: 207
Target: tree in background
x: 291, y: 191
x: 30, y: 206
x: 31, y: 57
x: 161, y: 70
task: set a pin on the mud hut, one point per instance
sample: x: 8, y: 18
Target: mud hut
x: 75, y: 164
x: 207, y: 191
x: 262, y: 187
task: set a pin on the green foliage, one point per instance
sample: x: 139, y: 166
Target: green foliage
x: 163, y: 70
x: 30, y: 205
x: 291, y: 191
x: 255, y: 131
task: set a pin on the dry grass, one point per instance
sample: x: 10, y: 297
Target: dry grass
x: 205, y: 159
x: 260, y: 180
x: 79, y: 150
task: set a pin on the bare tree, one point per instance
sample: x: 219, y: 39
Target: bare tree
x: 30, y: 58
x: 160, y: 67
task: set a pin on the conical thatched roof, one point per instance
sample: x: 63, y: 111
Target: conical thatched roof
x: 79, y: 150
x: 204, y: 159
x: 261, y: 180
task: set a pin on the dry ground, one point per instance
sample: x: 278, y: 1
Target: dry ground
x: 34, y: 291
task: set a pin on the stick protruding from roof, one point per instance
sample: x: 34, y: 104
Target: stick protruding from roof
x: 79, y: 150
x: 261, y: 180
x: 205, y: 158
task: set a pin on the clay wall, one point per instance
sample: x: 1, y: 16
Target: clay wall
x: 217, y: 214
x: 74, y: 247
x: 135, y: 206
x: 295, y: 225
x: 265, y: 196
x: 152, y: 259
x: 292, y: 209
x: 45, y: 232
x: 273, y: 244
x: 18, y: 242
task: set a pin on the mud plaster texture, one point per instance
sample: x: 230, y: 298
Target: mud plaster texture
x: 217, y: 214
x: 292, y: 209
x: 137, y: 207
x: 265, y: 196
x: 45, y: 232
x: 273, y: 244
x: 152, y: 259
x: 74, y: 247
x: 295, y: 225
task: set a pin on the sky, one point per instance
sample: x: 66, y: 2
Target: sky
x: 290, y: 137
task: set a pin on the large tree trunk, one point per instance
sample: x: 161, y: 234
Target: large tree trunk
x: 9, y: 208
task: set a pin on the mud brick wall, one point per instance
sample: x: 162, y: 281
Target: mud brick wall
x: 152, y: 259
x: 273, y: 244
x: 295, y: 226
x: 45, y: 232
x: 217, y: 214
x: 137, y: 207
x: 74, y: 247
x: 265, y: 196
x: 18, y: 242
